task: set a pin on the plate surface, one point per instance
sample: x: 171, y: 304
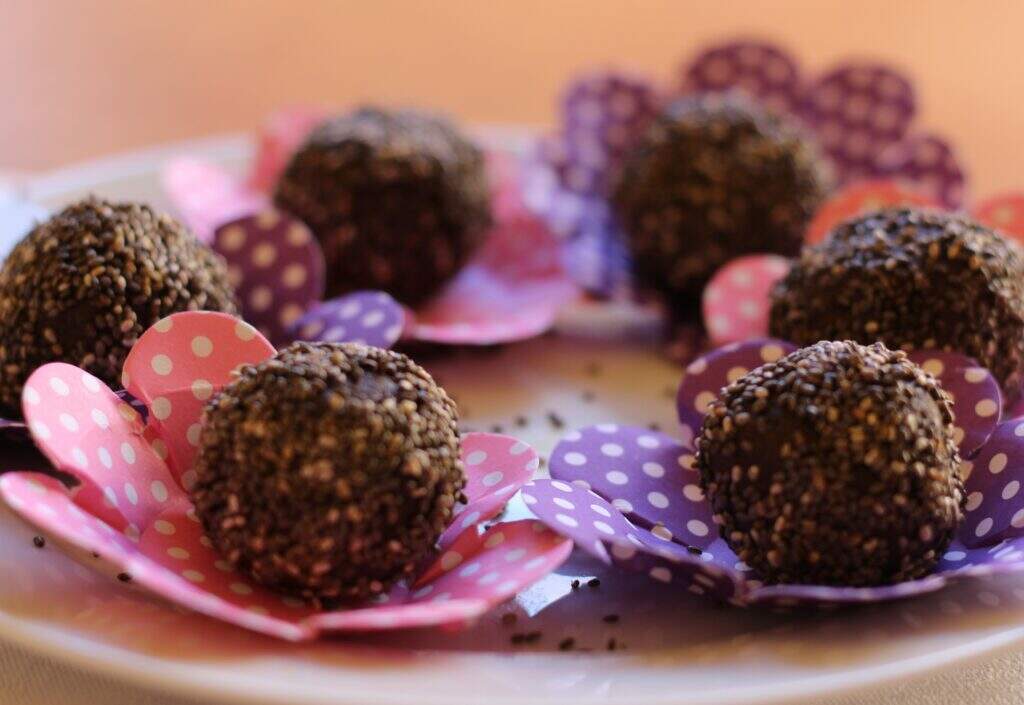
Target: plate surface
x: 670, y: 647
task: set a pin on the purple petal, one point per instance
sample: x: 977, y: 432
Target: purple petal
x: 977, y: 401
x: 647, y: 475
x: 277, y: 267
x: 708, y: 374
x: 1003, y: 557
x: 370, y: 317
x: 761, y: 70
x: 793, y: 595
x: 858, y: 110
x: 928, y: 163
x: 995, y: 503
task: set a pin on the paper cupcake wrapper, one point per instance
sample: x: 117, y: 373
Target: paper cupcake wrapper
x: 130, y: 503
x: 860, y: 113
x: 632, y: 497
x: 511, y: 290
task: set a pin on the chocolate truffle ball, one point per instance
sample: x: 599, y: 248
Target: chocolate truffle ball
x: 835, y: 465
x: 329, y: 471
x: 82, y: 286
x: 398, y: 200
x: 911, y: 279
x: 713, y: 178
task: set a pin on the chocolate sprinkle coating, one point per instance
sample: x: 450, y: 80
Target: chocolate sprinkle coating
x: 82, y: 287
x: 714, y: 178
x: 329, y: 471
x: 835, y: 465
x: 911, y: 279
x: 398, y: 200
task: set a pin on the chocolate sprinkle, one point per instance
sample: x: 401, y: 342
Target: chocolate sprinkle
x: 82, y: 287
x: 911, y: 279
x: 714, y: 178
x: 124, y: 577
x: 38, y: 541
x: 328, y: 471
x: 398, y: 200
x: 835, y: 465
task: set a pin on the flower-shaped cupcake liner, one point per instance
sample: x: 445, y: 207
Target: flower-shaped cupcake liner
x: 861, y: 113
x: 512, y: 289
x: 131, y: 506
x: 736, y: 301
x: 632, y: 497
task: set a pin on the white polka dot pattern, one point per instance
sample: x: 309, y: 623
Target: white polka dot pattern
x: 736, y: 302
x: 762, y: 71
x: 369, y: 317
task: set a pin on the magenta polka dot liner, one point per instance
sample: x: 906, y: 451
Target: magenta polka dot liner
x: 131, y: 507
x: 512, y: 288
x: 631, y: 497
x: 861, y: 114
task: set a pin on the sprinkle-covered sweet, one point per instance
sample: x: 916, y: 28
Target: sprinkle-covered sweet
x: 82, y: 286
x: 834, y: 465
x: 712, y: 179
x: 398, y: 200
x: 912, y: 279
x: 328, y: 471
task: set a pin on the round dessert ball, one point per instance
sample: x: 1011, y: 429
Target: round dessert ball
x: 712, y: 179
x: 911, y: 279
x: 82, y: 287
x: 835, y: 465
x: 398, y: 200
x: 329, y: 471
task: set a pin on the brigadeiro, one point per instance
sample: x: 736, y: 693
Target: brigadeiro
x: 912, y: 279
x: 835, y: 465
x: 398, y: 200
x: 82, y: 286
x: 712, y: 179
x: 329, y: 470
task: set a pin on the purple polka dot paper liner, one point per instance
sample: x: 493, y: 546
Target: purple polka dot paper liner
x: 368, y: 317
x: 277, y: 269
x: 861, y: 114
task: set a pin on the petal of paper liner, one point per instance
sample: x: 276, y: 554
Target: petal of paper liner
x: 370, y: 317
x: 280, y: 136
x: 510, y: 464
x: 706, y: 375
x: 648, y: 475
x: 859, y: 198
x: 762, y: 70
x: 977, y: 400
x: 928, y: 164
x: 277, y: 268
x: 177, y: 365
x: 87, y: 431
x: 995, y: 503
x: 512, y: 290
x: 1004, y: 212
x: 17, y: 218
x: 858, y: 110
x: 174, y: 560
x: 736, y: 302
x: 206, y: 196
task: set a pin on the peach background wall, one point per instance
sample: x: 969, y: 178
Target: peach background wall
x: 82, y: 78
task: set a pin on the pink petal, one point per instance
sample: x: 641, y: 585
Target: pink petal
x: 977, y: 399
x: 497, y: 466
x: 85, y: 430
x: 1004, y: 212
x: 206, y: 196
x: 178, y: 364
x: 736, y: 302
x: 706, y: 376
x: 280, y: 135
x: 860, y: 198
x: 277, y: 267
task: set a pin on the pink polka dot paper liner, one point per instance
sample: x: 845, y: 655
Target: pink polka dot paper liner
x: 860, y: 198
x: 632, y: 497
x: 277, y: 269
x: 130, y: 505
x: 861, y: 114
x: 511, y: 290
x: 369, y: 317
x: 735, y: 301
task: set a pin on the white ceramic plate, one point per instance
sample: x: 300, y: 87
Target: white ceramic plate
x: 672, y: 647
